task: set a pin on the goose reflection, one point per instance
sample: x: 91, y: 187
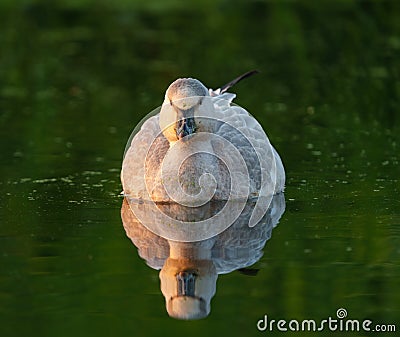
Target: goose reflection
x: 189, y: 270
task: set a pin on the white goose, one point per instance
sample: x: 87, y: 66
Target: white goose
x: 200, y: 133
x: 189, y: 270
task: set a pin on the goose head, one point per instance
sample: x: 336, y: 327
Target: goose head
x: 186, y: 102
x: 188, y: 287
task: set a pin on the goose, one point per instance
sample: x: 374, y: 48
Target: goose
x: 200, y: 146
x: 189, y: 270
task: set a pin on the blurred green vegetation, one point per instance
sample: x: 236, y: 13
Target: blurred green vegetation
x: 75, y: 78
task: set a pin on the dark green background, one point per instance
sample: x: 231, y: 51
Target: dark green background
x: 75, y: 78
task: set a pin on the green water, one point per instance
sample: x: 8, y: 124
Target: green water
x: 76, y: 77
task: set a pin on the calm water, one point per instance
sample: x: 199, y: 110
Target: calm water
x: 76, y: 77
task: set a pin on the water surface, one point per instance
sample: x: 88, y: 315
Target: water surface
x: 77, y: 76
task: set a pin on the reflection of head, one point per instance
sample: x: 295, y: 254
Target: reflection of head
x: 188, y: 286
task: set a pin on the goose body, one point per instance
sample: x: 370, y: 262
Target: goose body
x: 200, y: 146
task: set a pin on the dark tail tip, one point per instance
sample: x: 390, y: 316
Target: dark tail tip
x: 225, y: 87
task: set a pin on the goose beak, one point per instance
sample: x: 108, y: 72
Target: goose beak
x: 185, y: 124
x: 186, y: 283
